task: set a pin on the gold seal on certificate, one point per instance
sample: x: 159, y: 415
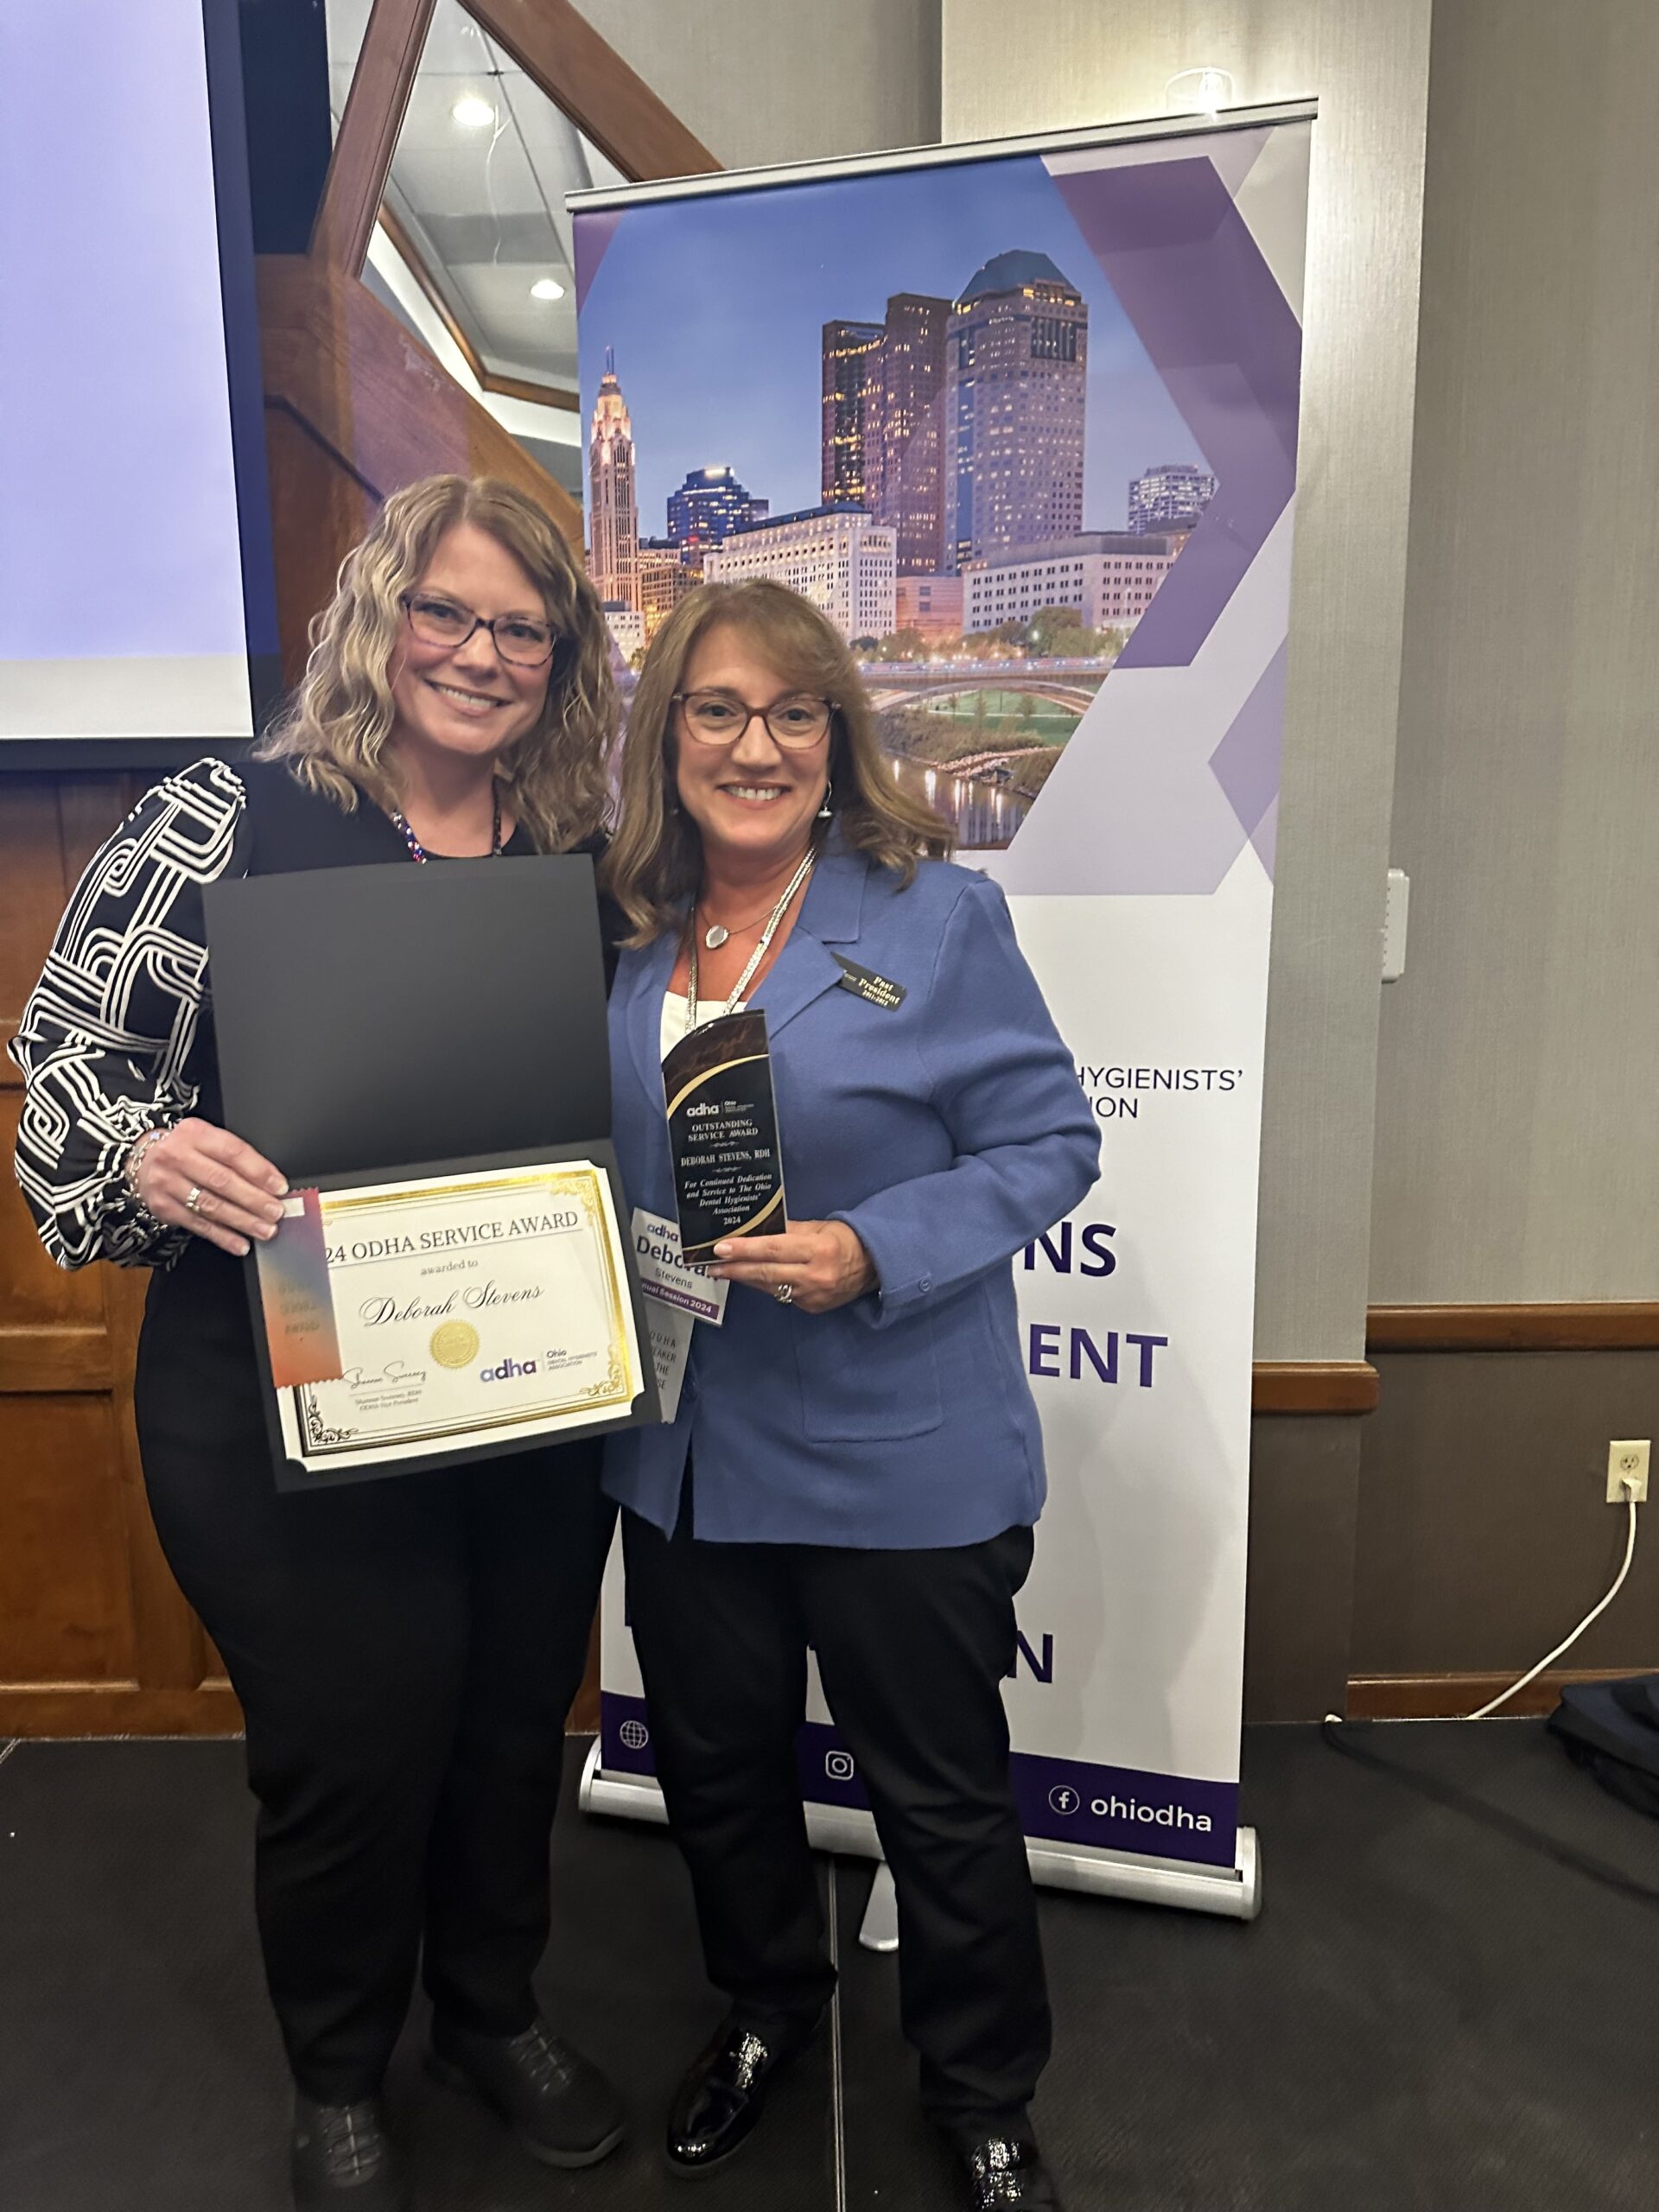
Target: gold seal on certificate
x: 454, y: 1344
x: 406, y: 1319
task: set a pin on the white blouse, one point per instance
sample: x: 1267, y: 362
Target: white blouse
x: 674, y: 1006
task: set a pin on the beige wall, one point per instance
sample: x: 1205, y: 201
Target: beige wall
x: 1517, y: 1148
x: 766, y: 80
x: 1368, y: 66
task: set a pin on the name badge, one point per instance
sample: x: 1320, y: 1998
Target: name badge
x: 664, y: 1272
x: 866, y: 985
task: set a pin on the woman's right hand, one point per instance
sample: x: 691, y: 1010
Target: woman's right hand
x: 237, y: 1189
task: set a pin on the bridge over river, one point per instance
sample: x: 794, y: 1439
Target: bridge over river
x: 903, y: 687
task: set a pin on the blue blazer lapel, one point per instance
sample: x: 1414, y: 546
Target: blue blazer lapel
x: 830, y: 914
x: 644, y: 974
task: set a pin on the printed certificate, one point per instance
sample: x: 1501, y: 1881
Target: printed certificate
x: 405, y: 1320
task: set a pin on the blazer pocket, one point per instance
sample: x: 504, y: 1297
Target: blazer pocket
x: 862, y: 1386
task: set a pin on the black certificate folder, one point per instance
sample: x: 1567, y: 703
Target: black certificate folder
x: 368, y: 1017
x: 379, y: 1027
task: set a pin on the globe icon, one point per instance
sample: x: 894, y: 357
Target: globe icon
x: 634, y: 1734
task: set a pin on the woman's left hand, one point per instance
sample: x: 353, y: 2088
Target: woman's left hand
x: 820, y: 1264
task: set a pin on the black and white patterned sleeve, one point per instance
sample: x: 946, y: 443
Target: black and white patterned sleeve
x: 105, y: 1042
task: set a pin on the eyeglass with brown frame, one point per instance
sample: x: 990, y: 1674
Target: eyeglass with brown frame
x: 721, y: 718
x: 440, y: 622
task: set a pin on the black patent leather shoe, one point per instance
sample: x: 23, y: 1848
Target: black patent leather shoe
x: 341, y: 2159
x: 556, y: 2102
x: 1005, y: 2170
x: 720, y: 2099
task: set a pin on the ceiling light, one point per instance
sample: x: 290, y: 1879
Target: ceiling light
x: 547, y: 288
x: 473, y: 113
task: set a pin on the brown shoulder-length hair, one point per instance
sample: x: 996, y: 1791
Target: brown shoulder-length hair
x: 334, y: 730
x: 654, y: 861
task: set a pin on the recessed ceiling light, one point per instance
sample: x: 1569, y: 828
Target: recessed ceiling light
x: 547, y: 288
x: 472, y: 112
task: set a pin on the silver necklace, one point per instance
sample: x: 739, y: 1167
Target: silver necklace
x: 755, y: 957
x: 717, y: 934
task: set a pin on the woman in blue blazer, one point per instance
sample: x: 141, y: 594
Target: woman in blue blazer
x: 855, y: 1462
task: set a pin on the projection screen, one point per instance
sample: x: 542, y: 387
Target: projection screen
x: 135, y: 595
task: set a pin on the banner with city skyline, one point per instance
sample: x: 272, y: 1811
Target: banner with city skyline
x: 1025, y: 423
x: 936, y: 402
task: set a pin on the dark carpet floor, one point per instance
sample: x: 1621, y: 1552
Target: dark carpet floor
x: 1451, y: 2001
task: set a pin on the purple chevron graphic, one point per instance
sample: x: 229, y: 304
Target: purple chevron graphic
x: 1246, y: 762
x: 1206, y: 307
x: 592, y: 235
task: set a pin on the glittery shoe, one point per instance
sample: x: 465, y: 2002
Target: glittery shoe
x: 719, y: 2101
x: 1006, y: 2170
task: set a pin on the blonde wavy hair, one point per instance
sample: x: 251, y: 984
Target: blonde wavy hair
x: 335, y: 729
x: 654, y: 861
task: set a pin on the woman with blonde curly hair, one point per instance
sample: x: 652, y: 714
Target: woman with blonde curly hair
x: 405, y: 1651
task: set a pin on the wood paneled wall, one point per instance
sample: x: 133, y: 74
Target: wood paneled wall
x: 95, y: 1636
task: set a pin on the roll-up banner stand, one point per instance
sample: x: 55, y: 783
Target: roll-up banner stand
x: 1022, y: 418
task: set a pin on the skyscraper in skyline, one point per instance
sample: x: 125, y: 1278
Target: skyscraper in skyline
x: 1172, y: 494
x: 613, y: 507
x: 709, y: 505
x: 848, y: 353
x: 883, y: 385
x: 1015, y: 393
x: 904, y: 444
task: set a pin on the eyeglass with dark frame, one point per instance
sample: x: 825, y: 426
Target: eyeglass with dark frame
x: 721, y: 717
x: 440, y: 622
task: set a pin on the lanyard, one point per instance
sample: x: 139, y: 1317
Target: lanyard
x: 755, y: 957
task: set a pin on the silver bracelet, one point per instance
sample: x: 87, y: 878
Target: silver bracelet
x: 130, y: 1167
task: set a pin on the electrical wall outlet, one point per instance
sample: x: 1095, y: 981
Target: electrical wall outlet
x: 1394, y: 910
x: 1627, y: 1470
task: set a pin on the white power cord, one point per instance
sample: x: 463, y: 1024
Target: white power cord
x: 1566, y: 1643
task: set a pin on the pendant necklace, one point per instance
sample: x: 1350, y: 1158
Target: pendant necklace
x: 717, y: 934
x: 755, y: 957
x: 418, y: 852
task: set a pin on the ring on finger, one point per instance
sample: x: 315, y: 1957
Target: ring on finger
x: 193, y: 1198
x: 784, y: 1293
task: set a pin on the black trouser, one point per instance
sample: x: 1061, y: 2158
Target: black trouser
x: 912, y: 1648
x: 405, y: 1651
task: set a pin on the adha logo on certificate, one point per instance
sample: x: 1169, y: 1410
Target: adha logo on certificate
x: 508, y: 1371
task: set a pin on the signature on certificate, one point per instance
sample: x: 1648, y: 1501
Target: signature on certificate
x: 396, y: 1374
